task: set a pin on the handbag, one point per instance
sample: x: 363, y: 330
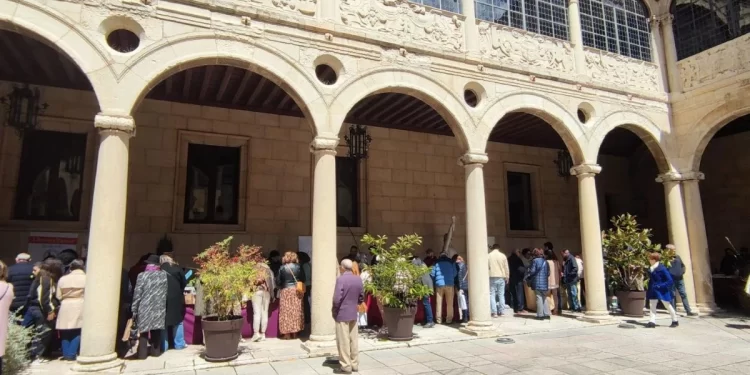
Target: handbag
x: 300, y: 285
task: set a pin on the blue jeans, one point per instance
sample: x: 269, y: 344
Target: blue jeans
x: 679, y: 287
x: 177, y: 333
x: 573, y: 296
x: 497, y: 291
x: 71, y: 341
x: 427, y: 310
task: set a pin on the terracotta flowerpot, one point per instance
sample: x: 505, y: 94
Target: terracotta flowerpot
x: 399, y: 322
x: 632, y: 302
x: 222, y: 338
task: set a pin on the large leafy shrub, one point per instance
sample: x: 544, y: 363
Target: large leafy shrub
x: 227, y: 275
x: 626, y: 249
x: 17, y: 347
x: 395, y: 281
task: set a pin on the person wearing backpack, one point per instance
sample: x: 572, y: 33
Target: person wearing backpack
x: 677, y: 271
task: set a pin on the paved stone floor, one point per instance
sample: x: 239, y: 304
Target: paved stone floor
x: 708, y: 345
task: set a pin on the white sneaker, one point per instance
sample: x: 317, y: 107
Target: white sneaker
x: 262, y: 337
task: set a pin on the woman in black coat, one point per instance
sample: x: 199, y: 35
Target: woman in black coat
x: 176, y: 283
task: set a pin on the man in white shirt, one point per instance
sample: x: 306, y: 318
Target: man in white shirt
x: 499, y: 274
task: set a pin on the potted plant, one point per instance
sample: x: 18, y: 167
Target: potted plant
x: 226, y: 276
x: 395, y: 282
x: 626, y: 248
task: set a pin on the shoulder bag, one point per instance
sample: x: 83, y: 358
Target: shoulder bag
x: 300, y: 285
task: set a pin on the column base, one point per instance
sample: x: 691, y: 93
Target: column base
x: 596, y: 317
x: 319, y: 346
x: 708, y: 309
x: 97, y: 364
x: 480, y: 329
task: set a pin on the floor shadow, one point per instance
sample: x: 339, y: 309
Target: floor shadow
x: 635, y: 322
x: 738, y: 326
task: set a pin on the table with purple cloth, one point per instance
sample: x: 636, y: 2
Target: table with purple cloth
x: 194, y: 330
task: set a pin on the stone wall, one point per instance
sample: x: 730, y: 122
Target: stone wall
x: 412, y: 181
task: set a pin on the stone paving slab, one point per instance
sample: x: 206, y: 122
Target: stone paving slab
x: 586, y: 348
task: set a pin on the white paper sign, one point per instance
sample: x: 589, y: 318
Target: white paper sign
x: 305, y: 245
x: 42, y: 242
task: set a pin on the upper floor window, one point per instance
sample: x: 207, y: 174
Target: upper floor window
x: 347, y: 192
x: 212, y: 186
x: 619, y: 26
x: 546, y: 17
x: 449, y: 5
x: 700, y: 25
x: 51, y: 176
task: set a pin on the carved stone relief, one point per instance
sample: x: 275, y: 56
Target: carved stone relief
x: 621, y: 71
x: 525, y: 49
x: 402, y: 21
x: 306, y: 7
x: 723, y: 61
x: 402, y: 57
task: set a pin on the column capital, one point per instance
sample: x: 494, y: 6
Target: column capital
x: 324, y: 144
x: 471, y: 158
x: 669, y: 177
x: 585, y: 170
x: 693, y: 176
x: 104, y: 121
x: 665, y: 19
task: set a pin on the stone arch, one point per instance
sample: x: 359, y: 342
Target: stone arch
x: 209, y: 48
x: 549, y: 110
x: 651, y: 135
x: 403, y: 81
x: 717, y: 118
x: 61, y: 33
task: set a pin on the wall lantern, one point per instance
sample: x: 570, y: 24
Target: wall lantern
x: 564, y: 162
x: 23, y: 108
x: 358, y: 141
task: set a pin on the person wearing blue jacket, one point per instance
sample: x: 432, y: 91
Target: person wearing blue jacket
x: 21, y: 276
x: 538, y: 278
x: 444, y: 274
x: 659, y: 289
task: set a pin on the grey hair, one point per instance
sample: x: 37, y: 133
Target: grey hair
x: 167, y: 259
x: 670, y: 247
x: 347, y: 264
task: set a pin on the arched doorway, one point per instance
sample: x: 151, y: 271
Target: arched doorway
x: 626, y: 183
x: 725, y: 164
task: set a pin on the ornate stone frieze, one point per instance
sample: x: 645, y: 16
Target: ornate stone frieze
x: 306, y: 7
x: 723, y: 61
x: 525, y: 49
x: 621, y: 71
x: 402, y: 21
x: 403, y: 57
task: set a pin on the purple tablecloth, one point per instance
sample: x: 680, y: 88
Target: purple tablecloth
x: 194, y: 330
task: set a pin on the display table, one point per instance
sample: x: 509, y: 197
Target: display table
x: 194, y: 330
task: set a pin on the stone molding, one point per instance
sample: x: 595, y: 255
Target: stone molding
x: 324, y: 144
x: 125, y: 124
x: 585, y: 170
x: 473, y: 159
x: 665, y: 19
x: 679, y: 177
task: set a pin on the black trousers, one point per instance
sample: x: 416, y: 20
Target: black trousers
x: 149, y: 346
x: 518, y: 298
x: 306, y: 304
x: 43, y: 329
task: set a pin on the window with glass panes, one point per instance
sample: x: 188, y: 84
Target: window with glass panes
x: 703, y: 24
x: 449, y: 5
x: 546, y: 17
x: 618, y: 26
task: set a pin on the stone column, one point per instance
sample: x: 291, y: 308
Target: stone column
x: 576, y: 36
x: 324, y: 231
x: 657, y: 51
x: 704, y: 288
x: 670, y: 54
x: 106, y: 242
x: 591, y: 243
x: 677, y: 226
x: 476, y: 246
x: 471, y: 30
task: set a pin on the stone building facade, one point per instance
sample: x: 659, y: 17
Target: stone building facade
x: 467, y: 108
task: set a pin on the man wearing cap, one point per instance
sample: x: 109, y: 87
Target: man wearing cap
x: 20, y: 275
